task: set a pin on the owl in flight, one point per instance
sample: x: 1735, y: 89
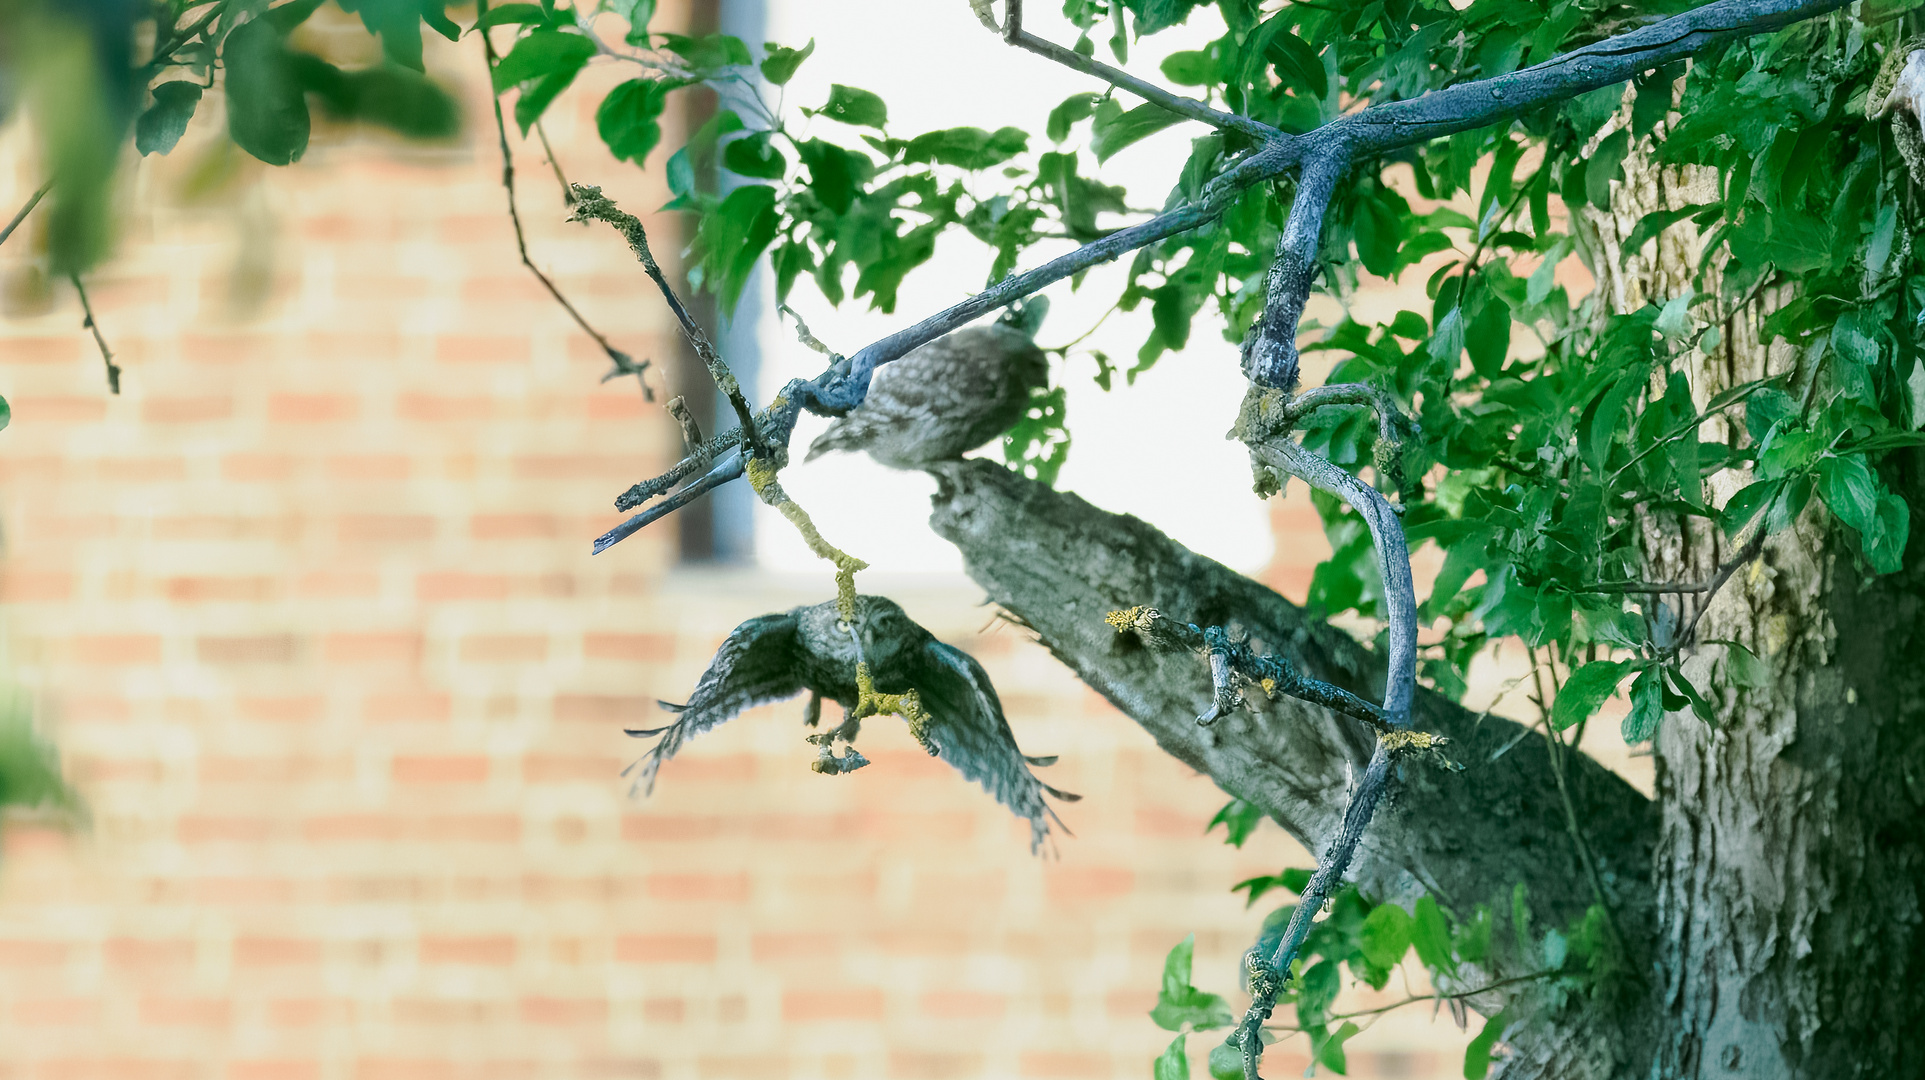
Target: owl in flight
x: 810, y: 648
x: 944, y: 399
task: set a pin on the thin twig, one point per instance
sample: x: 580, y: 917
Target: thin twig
x: 567, y: 193
x: 32, y: 201
x: 622, y: 363
x: 106, y: 354
x: 805, y: 336
x: 592, y: 205
x: 1188, y: 108
x: 1751, y: 550
x: 1571, y: 826
x: 1415, y: 998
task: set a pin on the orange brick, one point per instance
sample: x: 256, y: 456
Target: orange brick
x: 665, y: 948
x: 504, y: 648
x: 312, y: 408
x: 923, y: 1065
x: 1076, y: 885
x: 35, y: 587
x: 559, y: 1012
x: 444, y: 586
x: 114, y: 1068
x: 795, y: 946
x: 194, y: 590
x: 16, y: 953
x: 386, y: 528
x: 258, y: 468
x: 598, y: 467
x: 352, y: 828
x: 116, y: 650
x: 718, y: 888
x: 273, y: 1070
x: 413, y: 706
x: 923, y: 942
x: 306, y: 1012
x: 445, y: 769
x: 245, y: 891
x: 964, y: 1005
x: 291, y: 710
x: 560, y: 768
x: 209, y: 829
x: 337, y: 585
x: 186, y: 410
x: 387, y: 647
x: 184, y: 1012
x: 436, y: 407
x: 818, y: 1004
x: 481, y: 349
x: 671, y: 827
x: 516, y: 527
x: 492, y: 950
x: 57, y: 1012
x: 34, y: 409
x: 474, y: 828
x: 143, y: 953
x: 253, y: 649
x: 65, y: 349
x: 664, y: 1010
x: 1067, y: 1063
x: 608, y: 709
x: 227, y: 348
x: 275, y: 951
x: 404, y: 1069
x: 370, y: 467
x: 644, y: 647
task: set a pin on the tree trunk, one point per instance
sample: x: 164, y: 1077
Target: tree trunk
x: 1790, y: 870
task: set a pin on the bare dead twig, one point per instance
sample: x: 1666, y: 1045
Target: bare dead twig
x: 622, y: 363
x: 592, y: 205
x: 32, y: 201
x: 106, y: 354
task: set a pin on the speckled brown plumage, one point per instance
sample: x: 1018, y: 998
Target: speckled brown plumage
x: 942, y: 400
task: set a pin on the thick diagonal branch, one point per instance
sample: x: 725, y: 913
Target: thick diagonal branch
x: 1270, y: 352
x: 1321, y: 156
x: 1059, y: 565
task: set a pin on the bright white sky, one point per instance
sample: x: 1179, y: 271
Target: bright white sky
x: 1155, y: 449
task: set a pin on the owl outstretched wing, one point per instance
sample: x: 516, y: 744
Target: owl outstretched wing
x: 967, y: 728
x: 757, y: 664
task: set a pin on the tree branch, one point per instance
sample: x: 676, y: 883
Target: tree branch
x: 1321, y: 155
x: 623, y: 363
x: 106, y: 354
x: 1188, y: 108
x: 32, y: 201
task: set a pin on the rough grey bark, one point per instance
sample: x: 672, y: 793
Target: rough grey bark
x: 1060, y: 565
x: 1790, y: 873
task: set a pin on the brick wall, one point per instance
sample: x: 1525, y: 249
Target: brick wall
x: 310, y: 611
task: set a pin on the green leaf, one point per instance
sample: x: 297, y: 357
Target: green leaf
x: 1074, y: 108
x: 1297, y: 63
x: 1850, y: 490
x: 629, y: 118
x: 1038, y: 444
x: 833, y: 173
x: 1879, y: 250
x: 1174, y: 1064
x: 540, y: 55
x: 1178, y: 1003
x: 1431, y: 936
x: 1197, y: 68
x: 857, y: 107
x: 1647, y: 707
x: 1603, y: 167
x: 165, y: 121
x: 1891, y: 528
x: 1488, y: 338
x: 512, y: 14
x: 709, y: 53
x: 393, y: 97
x: 1447, y: 342
x: 734, y: 235
x: 6, y: 414
x: 755, y: 156
x: 967, y: 147
x: 1655, y: 222
x: 1238, y: 818
x: 1386, y: 935
x: 266, y: 105
x: 1477, y: 1055
x: 1226, y: 1061
x: 398, y: 22
x: 638, y: 13
x: 29, y: 766
x: 1742, y: 666
x: 1115, y: 129
x: 535, y: 98
x: 1744, y: 507
x: 1328, y: 1048
x: 1586, y: 690
x: 1294, y: 879
x: 1154, y: 16
x: 779, y: 66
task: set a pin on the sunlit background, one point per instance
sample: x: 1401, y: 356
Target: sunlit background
x: 309, y: 609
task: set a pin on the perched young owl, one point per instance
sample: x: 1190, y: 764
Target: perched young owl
x: 943, y: 400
